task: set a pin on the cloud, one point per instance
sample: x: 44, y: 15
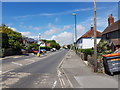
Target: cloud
x: 30, y: 27
x: 80, y: 30
x: 14, y: 29
x: 66, y: 27
x: 51, y: 31
x: 26, y: 33
x: 63, y: 38
x: 56, y: 19
x: 29, y: 34
x: 53, y: 14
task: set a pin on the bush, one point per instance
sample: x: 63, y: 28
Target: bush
x: 86, y: 52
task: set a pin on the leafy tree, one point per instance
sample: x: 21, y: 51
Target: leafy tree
x: 53, y: 44
x: 102, y: 48
x: 14, y: 38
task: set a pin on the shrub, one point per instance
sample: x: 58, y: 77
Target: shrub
x: 86, y: 52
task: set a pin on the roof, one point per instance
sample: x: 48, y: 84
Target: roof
x: 90, y: 34
x: 112, y: 27
x: 116, y: 41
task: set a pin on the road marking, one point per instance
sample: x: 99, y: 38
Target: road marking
x: 60, y: 82
x: 68, y: 78
x: 7, y: 71
x: 29, y: 63
x: 17, y: 63
x: 63, y: 81
x: 54, y: 84
x: 59, y: 76
x: 30, y: 60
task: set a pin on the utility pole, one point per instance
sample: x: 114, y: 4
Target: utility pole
x: 95, y: 44
x: 74, y: 14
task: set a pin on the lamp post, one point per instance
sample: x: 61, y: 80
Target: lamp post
x: 95, y: 44
x: 39, y: 37
x: 74, y: 14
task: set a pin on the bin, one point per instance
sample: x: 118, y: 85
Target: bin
x: 111, y: 64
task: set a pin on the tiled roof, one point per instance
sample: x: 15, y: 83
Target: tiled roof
x: 116, y: 41
x: 113, y: 27
x: 90, y: 34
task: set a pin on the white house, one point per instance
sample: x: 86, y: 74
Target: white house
x: 87, y: 40
x: 42, y: 44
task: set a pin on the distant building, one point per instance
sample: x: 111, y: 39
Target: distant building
x: 27, y: 41
x: 43, y: 44
x: 87, y: 40
x: 112, y: 33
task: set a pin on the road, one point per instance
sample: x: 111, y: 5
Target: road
x: 32, y: 71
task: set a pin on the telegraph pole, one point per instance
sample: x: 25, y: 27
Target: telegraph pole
x: 95, y: 44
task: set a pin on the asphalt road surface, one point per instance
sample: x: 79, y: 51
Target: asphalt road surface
x: 32, y: 71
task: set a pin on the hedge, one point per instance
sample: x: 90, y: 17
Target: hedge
x: 86, y: 52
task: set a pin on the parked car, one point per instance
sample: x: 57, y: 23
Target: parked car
x: 53, y: 49
x: 41, y: 51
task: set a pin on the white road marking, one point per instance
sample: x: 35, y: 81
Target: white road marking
x: 60, y: 82
x: 17, y: 63
x: 7, y: 71
x: 59, y: 76
x: 54, y: 84
x: 63, y: 81
x: 28, y: 63
x: 30, y: 60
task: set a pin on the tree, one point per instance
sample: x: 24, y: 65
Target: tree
x: 4, y: 40
x: 14, y: 38
x: 53, y: 44
x: 102, y: 48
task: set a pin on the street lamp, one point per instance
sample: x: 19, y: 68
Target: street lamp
x: 74, y: 14
x: 39, y: 37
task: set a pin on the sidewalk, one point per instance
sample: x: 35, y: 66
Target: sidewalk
x: 81, y: 76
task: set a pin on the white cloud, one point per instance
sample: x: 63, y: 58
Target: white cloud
x: 14, y: 29
x: 56, y: 19
x: 30, y: 27
x: 26, y: 33
x: 63, y: 38
x: 51, y: 31
x: 54, y: 14
x: 29, y: 34
x: 80, y: 30
x: 66, y: 27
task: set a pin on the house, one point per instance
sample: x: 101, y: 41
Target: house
x: 87, y: 40
x: 27, y: 41
x: 43, y: 44
x: 112, y: 33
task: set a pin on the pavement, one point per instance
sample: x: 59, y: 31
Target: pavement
x: 80, y: 75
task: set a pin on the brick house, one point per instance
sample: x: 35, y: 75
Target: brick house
x: 112, y: 33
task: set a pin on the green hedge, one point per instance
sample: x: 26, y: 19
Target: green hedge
x: 86, y: 52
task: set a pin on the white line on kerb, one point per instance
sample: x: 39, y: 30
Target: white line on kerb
x: 54, y: 84
x: 17, y: 63
x: 7, y: 71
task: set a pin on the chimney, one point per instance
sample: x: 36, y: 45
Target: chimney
x: 91, y: 27
x: 110, y: 20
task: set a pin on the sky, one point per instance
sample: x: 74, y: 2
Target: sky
x: 54, y: 20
